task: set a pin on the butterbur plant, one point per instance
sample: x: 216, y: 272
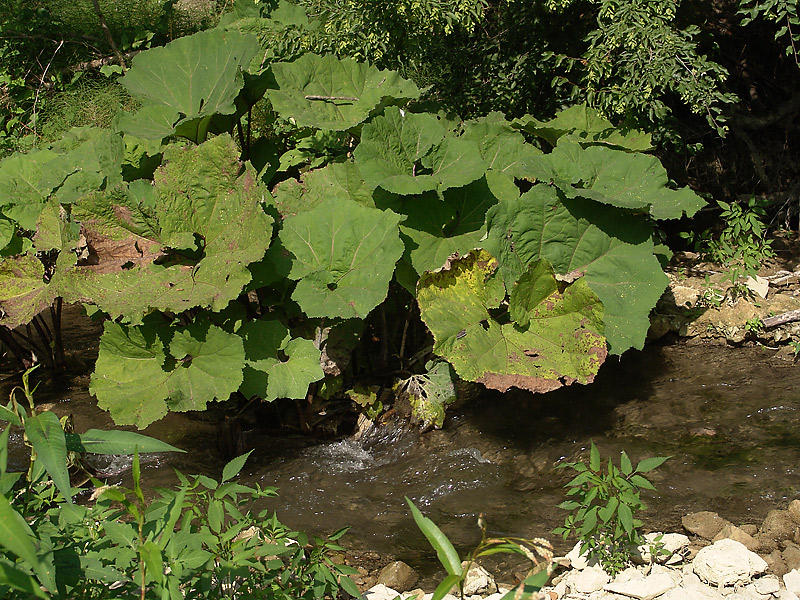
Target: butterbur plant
x: 603, y: 507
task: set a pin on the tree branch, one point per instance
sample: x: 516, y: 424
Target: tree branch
x: 107, y: 31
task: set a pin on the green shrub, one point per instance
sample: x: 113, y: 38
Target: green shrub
x: 603, y: 511
x: 199, y: 540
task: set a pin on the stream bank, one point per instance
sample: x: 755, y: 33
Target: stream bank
x: 723, y: 406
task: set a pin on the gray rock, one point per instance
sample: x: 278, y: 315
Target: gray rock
x: 777, y: 565
x: 732, y: 532
x: 749, y: 528
x: 728, y: 562
x: 791, y: 556
x: 398, y: 576
x: 767, y: 543
x: 794, y: 510
x: 706, y: 524
x: 779, y: 525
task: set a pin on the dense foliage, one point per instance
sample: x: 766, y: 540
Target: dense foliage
x: 264, y: 264
x: 200, y: 540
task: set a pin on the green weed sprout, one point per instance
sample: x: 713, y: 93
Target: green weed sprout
x: 604, y: 507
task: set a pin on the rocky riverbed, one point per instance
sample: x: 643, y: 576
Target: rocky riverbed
x: 713, y: 559
x: 703, y: 304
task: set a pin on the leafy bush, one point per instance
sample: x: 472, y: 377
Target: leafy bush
x: 197, y: 541
x: 603, y: 513
x: 741, y: 247
x: 260, y: 267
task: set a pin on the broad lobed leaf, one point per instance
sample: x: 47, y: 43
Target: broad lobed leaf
x: 559, y: 345
x: 330, y: 93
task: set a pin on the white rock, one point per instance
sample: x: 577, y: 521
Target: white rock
x: 727, y: 562
x: 629, y: 574
x: 578, y: 560
x: 645, y: 588
x: 692, y: 593
x: 785, y: 594
x: 767, y: 585
x: 748, y: 593
x: 792, y: 581
x: 591, y: 579
x: 673, y: 544
x: 380, y: 592
x: 446, y: 597
x: 561, y: 588
x: 477, y: 581
x: 758, y: 285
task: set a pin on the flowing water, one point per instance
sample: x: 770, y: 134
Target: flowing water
x: 728, y: 417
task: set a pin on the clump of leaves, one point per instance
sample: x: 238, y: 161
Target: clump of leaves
x: 604, y: 507
x: 199, y: 540
x: 741, y: 246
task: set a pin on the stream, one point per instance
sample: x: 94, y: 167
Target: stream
x: 727, y: 416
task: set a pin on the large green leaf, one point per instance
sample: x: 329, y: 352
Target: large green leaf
x: 336, y: 180
x: 269, y: 377
x: 436, y: 229
x: 151, y: 122
x: 22, y: 192
x: 21, y: 288
x: 586, y: 125
x: 627, y: 180
x: 47, y: 438
x: 196, y: 75
x: 83, y: 160
x: 203, y: 206
x: 129, y: 380
x: 89, y: 159
x: 24, y: 290
x: 560, y: 344
x: 503, y: 149
x: 210, y: 363
x: 340, y: 180
x: 391, y: 147
x: 408, y: 153
x: 137, y: 381
x: 331, y: 93
x: 612, y: 250
x: 345, y: 255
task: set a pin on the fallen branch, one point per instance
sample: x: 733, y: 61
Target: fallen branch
x: 315, y: 97
x: 99, y: 62
x: 787, y: 317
